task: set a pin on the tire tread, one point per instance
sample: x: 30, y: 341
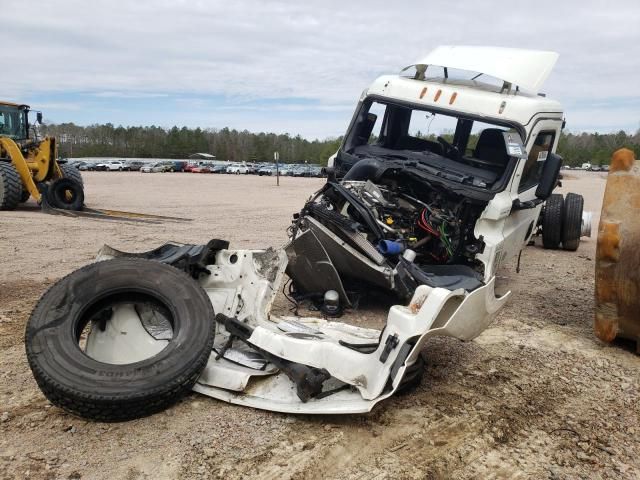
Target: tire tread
x: 69, y: 171
x: 552, y: 221
x: 106, y: 408
x: 10, y: 186
x: 572, y: 221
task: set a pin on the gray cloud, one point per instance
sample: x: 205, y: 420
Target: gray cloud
x: 325, y: 52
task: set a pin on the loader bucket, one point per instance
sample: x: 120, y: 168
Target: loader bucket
x: 618, y: 252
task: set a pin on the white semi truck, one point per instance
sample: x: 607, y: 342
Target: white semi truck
x: 429, y: 218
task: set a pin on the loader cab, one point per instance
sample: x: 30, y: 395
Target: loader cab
x: 14, y: 121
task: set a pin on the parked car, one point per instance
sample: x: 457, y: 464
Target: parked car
x: 316, y: 172
x: 285, y: 169
x: 301, y: 171
x: 179, y: 165
x: 110, y: 166
x: 166, y: 166
x: 87, y: 166
x: 201, y: 169
x: 134, y: 165
x: 238, y: 168
x: 157, y: 167
x: 79, y: 165
x: 220, y: 168
x: 267, y: 170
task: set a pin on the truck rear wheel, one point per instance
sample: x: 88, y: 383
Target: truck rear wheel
x: 552, y: 221
x: 96, y: 300
x: 572, y: 221
x: 10, y: 186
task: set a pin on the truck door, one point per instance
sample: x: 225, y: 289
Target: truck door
x: 519, y: 225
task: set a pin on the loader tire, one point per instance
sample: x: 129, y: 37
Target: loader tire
x: 66, y: 194
x: 572, y: 221
x: 552, y: 221
x: 69, y: 171
x: 10, y: 186
x: 25, y: 196
x: 75, y: 382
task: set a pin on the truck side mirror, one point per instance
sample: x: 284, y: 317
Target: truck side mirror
x: 549, y: 176
x: 39, y: 117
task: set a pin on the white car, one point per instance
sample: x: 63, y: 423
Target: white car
x: 238, y: 168
x: 111, y: 166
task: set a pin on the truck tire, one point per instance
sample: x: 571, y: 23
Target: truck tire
x: 65, y: 194
x: 10, y: 186
x: 572, y: 221
x: 69, y: 171
x: 552, y: 221
x: 412, y: 376
x: 81, y: 385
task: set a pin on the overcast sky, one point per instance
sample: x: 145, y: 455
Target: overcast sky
x: 296, y: 66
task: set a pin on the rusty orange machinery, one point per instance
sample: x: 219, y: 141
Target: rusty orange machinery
x: 618, y: 252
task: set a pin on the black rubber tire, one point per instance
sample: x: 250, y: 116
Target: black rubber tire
x: 69, y: 171
x: 412, y: 376
x: 572, y: 221
x: 25, y: 196
x: 552, y: 221
x: 57, y: 194
x: 101, y: 391
x: 10, y: 186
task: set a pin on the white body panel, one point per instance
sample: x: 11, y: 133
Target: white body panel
x: 527, y: 68
x: 471, y: 98
x: 243, y: 283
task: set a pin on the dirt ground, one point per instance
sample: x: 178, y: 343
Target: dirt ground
x: 535, y: 396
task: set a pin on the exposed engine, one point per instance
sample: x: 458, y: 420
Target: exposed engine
x: 433, y: 227
x: 393, y: 218
x: 409, y: 233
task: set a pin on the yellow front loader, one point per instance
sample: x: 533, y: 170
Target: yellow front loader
x: 28, y: 166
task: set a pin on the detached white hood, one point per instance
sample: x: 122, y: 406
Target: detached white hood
x: 526, y: 68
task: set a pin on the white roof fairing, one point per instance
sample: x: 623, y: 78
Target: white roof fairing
x: 526, y: 68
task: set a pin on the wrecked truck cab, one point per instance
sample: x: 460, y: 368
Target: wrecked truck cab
x: 405, y: 207
x: 428, y: 219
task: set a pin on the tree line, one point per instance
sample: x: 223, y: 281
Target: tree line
x: 595, y: 148
x: 156, y: 142
x: 229, y: 144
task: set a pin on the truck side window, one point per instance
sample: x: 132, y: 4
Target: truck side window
x: 537, y: 155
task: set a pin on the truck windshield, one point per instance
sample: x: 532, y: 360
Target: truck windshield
x: 475, y: 151
x: 13, y: 122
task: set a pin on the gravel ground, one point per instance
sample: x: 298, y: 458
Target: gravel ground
x: 535, y: 396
